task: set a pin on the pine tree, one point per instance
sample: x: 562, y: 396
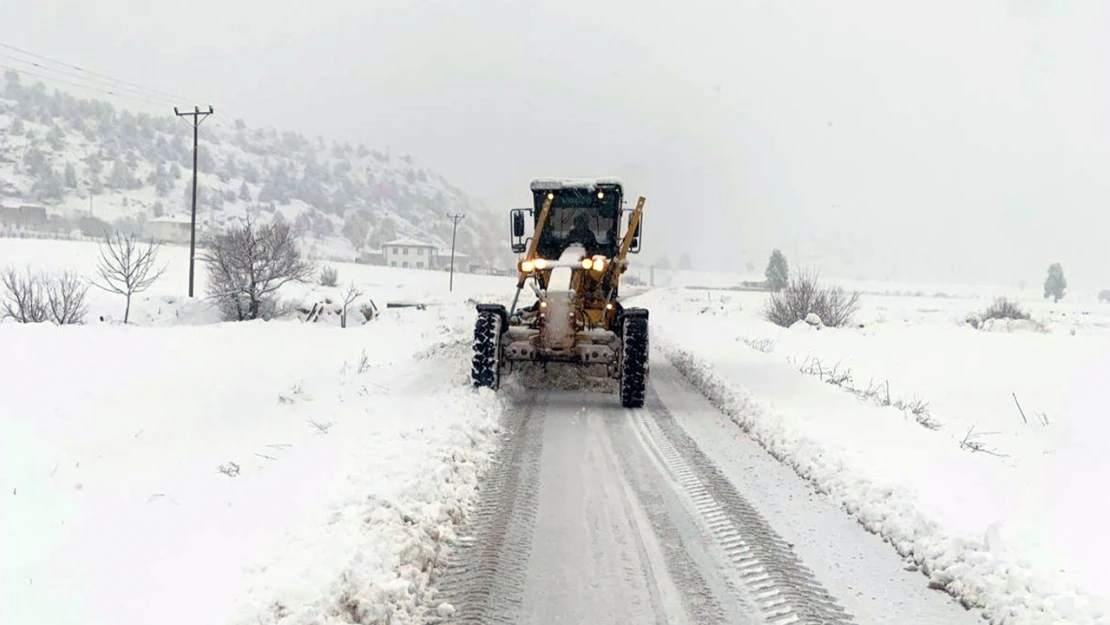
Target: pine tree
x: 71, y: 176
x: 1055, y: 284
x: 778, y: 271
x: 56, y: 138
x: 120, y: 178
x: 244, y: 192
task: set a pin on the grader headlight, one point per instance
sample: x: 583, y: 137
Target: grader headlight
x: 587, y: 263
x: 540, y: 263
x: 598, y: 263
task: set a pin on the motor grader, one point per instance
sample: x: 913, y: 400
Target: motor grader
x: 572, y: 261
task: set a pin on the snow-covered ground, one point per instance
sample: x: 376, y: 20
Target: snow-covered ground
x: 1002, y: 510
x: 181, y: 470
x: 293, y: 472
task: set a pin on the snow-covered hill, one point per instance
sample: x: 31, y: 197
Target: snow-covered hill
x: 89, y: 165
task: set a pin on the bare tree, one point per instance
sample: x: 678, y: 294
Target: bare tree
x: 349, y: 296
x: 34, y: 298
x: 65, y: 297
x: 126, y: 267
x: 24, y: 297
x: 248, y: 264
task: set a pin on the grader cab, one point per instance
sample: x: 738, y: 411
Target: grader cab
x: 572, y: 261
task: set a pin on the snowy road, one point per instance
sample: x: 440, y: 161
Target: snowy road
x: 665, y: 515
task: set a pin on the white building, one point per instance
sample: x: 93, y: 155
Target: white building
x: 169, y: 229
x: 409, y: 253
x: 462, y: 261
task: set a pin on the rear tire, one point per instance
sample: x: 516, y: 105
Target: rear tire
x: 486, y: 364
x: 634, y: 361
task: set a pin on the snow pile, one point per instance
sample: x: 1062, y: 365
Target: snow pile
x: 261, y: 472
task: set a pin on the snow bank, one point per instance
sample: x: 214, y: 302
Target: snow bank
x: 256, y: 472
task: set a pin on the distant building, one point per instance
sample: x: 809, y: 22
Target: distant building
x: 169, y: 229
x: 370, y: 257
x: 25, y: 216
x: 463, y: 262
x: 409, y: 254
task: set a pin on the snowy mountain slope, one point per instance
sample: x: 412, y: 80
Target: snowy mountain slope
x: 84, y: 159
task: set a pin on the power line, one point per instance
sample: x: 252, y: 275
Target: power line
x: 83, y: 86
x: 157, y: 92
x: 93, y: 81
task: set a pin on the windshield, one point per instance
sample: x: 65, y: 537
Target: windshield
x: 585, y: 226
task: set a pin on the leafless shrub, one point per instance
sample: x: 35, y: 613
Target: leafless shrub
x: 804, y: 295
x: 765, y: 344
x: 329, y: 276
x: 834, y: 376
x: 248, y: 264
x: 37, y: 297
x: 363, y: 362
x: 24, y: 297
x: 322, y: 428
x: 836, y: 307
x: 125, y: 267
x: 291, y: 397
x: 349, y: 296
x: 919, y: 408
x: 1003, y: 308
x: 229, y: 469
x: 65, y: 298
x: 972, y: 443
x: 837, y: 377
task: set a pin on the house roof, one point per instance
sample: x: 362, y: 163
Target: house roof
x: 408, y: 243
x: 171, y: 219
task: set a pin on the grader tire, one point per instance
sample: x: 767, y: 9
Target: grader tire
x: 486, y: 365
x: 634, y: 360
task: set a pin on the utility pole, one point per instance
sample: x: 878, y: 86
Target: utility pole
x: 198, y: 118
x: 454, y: 230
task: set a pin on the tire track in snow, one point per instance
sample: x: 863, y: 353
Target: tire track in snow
x: 697, y: 598
x: 485, y: 581
x: 770, y: 573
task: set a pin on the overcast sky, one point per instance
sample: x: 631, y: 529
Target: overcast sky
x: 884, y: 138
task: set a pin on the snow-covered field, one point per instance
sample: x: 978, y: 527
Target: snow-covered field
x: 305, y: 473
x: 180, y: 470
x: 1003, y: 510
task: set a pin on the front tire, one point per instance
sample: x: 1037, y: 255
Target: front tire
x: 634, y: 361
x: 486, y: 364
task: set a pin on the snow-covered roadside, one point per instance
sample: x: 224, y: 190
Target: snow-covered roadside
x: 1020, y: 536
x: 234, y: 473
